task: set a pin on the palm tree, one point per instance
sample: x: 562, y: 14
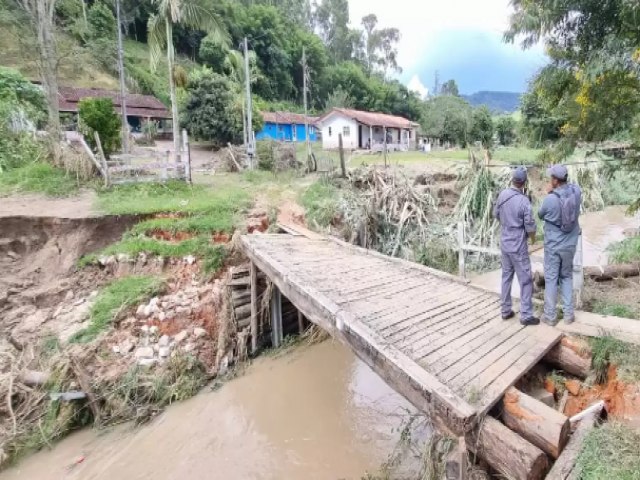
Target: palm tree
x: 190, y: 14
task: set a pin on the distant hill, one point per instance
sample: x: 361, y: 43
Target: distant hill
x: 498, y: 102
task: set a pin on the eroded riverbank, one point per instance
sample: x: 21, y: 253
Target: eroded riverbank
x: 315, y: 413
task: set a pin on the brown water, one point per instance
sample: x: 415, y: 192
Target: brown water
x: 317, y: 413
x: 599, y: 230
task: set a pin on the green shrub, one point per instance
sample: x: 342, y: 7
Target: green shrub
x: 40, y: 177
x: 119, y: 295
x: 102, y: 23
x: 98, y: 115
x: 626, y: 251
x: 321, y: 203
x: 610, y: 452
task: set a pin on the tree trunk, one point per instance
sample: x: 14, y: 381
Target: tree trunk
x: 172, y: 90
x: 506, y: 451
x: 571, y: 357
x: 41, y: 12
x: 543, y: 426
x: 123, y: 88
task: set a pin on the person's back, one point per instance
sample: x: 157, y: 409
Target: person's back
x: 513, y: 210
x: 560, y: 212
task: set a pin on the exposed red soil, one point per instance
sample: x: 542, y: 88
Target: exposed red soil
x: 622, y: 400
x: 168, y: 236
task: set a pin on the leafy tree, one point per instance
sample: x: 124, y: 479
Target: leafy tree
x: 17, y: 91
x: 160, y: 30
x: 98, y: 115
x: 506, y: 130
x: 102, y: 22
x: 268, y: 36
x: 213, y: 110
x: 41, y: 20
x: 450, y: 87
x: 339, y: 98
x: 332, y: 19
x: 482, y: 129
x: 448, y: 118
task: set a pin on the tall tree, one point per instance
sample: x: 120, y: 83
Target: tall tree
x: 389, y: 38
x: 450, y: 87
x: 371, y: 40
x: 332, y: 20
x: 188, y: 13
x: 41, y: 15
x: 380, y: 46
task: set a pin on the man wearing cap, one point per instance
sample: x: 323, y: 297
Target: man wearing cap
x: 513, y: 211
x: 560, y: 210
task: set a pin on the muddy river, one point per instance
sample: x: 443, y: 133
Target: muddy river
x: 315, y: 413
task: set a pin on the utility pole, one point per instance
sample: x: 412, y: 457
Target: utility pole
x: 123, y: 90
x: 247, y: 75
x: 305, y: 87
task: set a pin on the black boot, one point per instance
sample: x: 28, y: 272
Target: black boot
x: 530, y: 321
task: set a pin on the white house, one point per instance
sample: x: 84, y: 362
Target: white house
x: 366, y: 130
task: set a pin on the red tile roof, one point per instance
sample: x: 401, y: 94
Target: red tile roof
x: 371, y: 118
x: 287, y: 118
x: 137, y: 105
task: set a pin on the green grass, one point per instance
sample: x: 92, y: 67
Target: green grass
x: 119, y: 295
x: 320, y: 201
x: 38, y: 177
x: 610, y: 452
x: 615, y: 309
x: 626, y: 251
x: 213, y: 255
x: 174, y: 196
x: 608, y: 351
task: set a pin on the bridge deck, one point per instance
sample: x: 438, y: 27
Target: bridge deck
x: 436, y: 339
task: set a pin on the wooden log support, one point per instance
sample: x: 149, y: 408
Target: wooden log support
x: 506, y: 451
x: 543, y: 426
x: 565, y: 466
x: 276, y: 317
x: 254, y: 307
x: 571, y: 356
x: 300, y: 322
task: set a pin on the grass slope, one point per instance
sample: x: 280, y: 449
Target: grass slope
x: 113, y: 299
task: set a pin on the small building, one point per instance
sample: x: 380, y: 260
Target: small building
x: 140, y: 108
x: 287, y: 127
x: 367, y: 130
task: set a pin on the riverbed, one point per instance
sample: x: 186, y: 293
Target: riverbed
x: 315, y: 413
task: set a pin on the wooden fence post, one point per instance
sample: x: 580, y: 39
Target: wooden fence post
x: 461, y: 265
x: 343, y: 167
x: 103, y: 159
x: 186, y: 148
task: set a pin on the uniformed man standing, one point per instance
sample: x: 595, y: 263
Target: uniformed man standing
x: 560, y: 211
x: 513, y: 211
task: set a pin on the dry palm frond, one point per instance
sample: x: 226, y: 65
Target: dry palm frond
x: 590, y: 179
x: 475, y: 205
x: 388, y: 212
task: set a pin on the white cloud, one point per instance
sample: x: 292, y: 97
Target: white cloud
x: 416, y: 85
x: 420, y: 22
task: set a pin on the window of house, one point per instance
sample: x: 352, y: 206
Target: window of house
x: 329, y: 131
x: 346, y: 131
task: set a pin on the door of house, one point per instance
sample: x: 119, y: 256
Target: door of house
x: 360, y: 136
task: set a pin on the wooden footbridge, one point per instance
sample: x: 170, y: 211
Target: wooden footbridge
x: 434, y: 338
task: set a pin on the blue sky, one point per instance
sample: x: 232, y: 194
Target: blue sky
x: 462, y: 39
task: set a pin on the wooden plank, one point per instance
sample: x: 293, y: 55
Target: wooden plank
x: 548, y: 337
x: 458, y: 379
x: 409, y: 310
x: 359, y: 300
x: 456, y: 312
x: 446, y: 334
x: 356, y: 287
x: 477, y: 351
x: 438, y: 362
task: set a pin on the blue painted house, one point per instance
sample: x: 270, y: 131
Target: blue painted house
x: 287, y: 127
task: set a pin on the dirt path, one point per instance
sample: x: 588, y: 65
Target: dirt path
x: 33, y: 205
